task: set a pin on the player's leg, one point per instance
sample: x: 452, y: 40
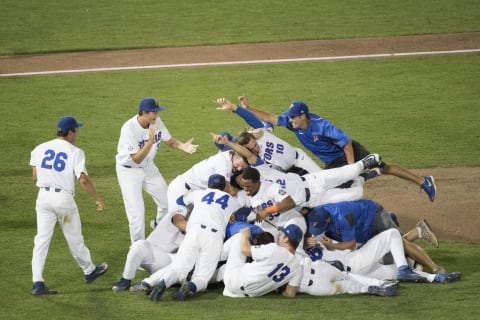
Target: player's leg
x: 232, y: 270
x: 333, y: 195
x: 71, y: 226
x: 131, y: 184
x: 207, y: 261
x: 156, y: 186
x: 305, y: 162
x: 46, y: 220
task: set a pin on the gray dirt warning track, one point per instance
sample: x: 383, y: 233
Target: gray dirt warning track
x: 455, y: 214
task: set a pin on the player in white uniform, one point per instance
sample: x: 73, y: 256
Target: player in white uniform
x: 202, y: 246
x: 366, y: 258
x: 140, y: 138
x: 224, y: 162
x: 272, y: 204
x: 273, y: 265
x: 320, y: 278
x: 55, y: 166
x: 270, y: 148
x: 151, y: 254
x: 314, y: 188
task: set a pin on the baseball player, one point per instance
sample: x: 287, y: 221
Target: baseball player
x: 151, y: 254
x: 314, y: 188
x: 332, y: 145
x: 270, y: 148
x: 367, y: 258
x: 140, y: 138
x: 355, y: 222
x: 196, y: 178
x: 202, y: 246
x: 273, y: 265
x: 55, y: 166
x: 320, y: 278
x: 273, y: 206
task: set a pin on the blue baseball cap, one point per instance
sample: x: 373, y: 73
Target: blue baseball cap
x: 68, y: 123
x: 317, y: 220
x: 242, y: 214
x: 216, y: 181
x: 293, y: 232
x: 297, y: 108
x: 223, y: 147
x: 149, y: 104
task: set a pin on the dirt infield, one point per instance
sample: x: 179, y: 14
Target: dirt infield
x: 455, y: 214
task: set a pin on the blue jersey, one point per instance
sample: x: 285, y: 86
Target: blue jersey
x: 321, y: 137
x: 235, y: 227
x: 351, y: 220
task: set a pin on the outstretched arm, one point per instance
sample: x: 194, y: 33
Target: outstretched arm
x: 188, y: 146
x: 245, y: 114
x: 251, y: 158
x: 263, y: 115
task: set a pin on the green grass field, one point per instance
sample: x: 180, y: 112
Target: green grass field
x: 416, y: 111
x: 50, y: 25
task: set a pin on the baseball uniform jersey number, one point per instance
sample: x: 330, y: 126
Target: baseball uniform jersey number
x: 279, y: 273
x: 222, y: 201
x: 58, y: 160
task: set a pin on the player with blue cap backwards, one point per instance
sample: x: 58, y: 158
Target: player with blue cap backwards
x: 332, y: 145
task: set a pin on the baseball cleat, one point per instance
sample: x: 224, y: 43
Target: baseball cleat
x: 142, y: 287
x: 387, y: 289
x: 427, y: 233
x: 406, y: 274
x: 158, y: 291
x: 371, y: 161
x: 371, y: 173
x: 122, y: 285
x: 447, y: 277
x: 429, y: 187
x: 99, y: 270
x: 39, y: 289
x: 182, y: 292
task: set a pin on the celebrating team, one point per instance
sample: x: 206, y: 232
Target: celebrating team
x: 254, y: 216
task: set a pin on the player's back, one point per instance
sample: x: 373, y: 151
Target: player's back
x: 272, y: 267
x: 197, y: 176
x: 211, y: 207
x: 276, y: 151
x: 57, y: 163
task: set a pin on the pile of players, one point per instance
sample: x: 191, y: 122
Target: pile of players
x: 258, y: 216
x: 261, y: 216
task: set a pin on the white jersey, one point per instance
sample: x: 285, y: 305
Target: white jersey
x: 276, y: 151
x: 268, y: 195
x: 212, y: 209
x: 133, y: 137
x: 291, y: 182
x: 53, y: 169
x: 272, y: 267
x: 197, y: 176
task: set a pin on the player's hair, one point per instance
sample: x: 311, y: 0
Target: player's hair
x: 262, y: 238
x: 64, y: 133
x: 293, y: 243
x: 252, y: 174
x: 244, y: 138
x: 233, y: 180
